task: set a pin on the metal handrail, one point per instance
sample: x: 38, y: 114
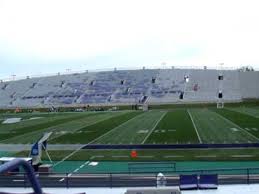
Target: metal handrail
x: 9, y: 166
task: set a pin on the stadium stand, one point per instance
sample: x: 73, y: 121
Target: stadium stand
x: 129, y: 87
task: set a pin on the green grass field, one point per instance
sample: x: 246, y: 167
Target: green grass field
x: 162, y: 126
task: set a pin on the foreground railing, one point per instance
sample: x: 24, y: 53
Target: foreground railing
x: 14, y: 164
x: 130, y: 179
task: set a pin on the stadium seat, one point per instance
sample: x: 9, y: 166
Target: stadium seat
x: 208, y: 181
x: 188, y: 182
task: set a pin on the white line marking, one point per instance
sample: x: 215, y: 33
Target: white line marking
x: 208, y: 156
x: 243, y: 111
x: 234, y: 129
x: 87, y: 162
x: 72, y: 153
x: 176, y: 156
x: 120, y: 156
x: 76, y: 170
x: 115, y: 129
x: 194, y: 126
x: 89, y: 124
x: 100, y: 156
x: 236, y: 125
x: 242, y: 156
x: 42, y: 130
x: 150, y: 132
x: 145, y: 156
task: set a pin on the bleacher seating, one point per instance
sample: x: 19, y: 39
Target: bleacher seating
x: 129, y: 87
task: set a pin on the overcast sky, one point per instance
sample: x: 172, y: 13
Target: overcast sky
x: 54, y: 35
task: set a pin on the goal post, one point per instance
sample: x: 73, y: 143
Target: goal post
x: 220, y: 104
x: 145, y: 107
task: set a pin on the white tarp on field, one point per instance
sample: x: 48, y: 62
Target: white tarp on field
x: 12, y: 120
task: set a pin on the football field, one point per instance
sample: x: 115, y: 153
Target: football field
x: 73, y: 131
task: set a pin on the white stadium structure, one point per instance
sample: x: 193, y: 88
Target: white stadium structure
x: 152, y: 86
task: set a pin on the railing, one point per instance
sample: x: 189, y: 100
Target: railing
x: 14, y: 164
x: 132, y: 179
x: 13, y: 78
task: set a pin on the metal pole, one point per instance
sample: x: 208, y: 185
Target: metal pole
x: 111, y: 181
x: 9, y: 166
x: 248, y: 177
x: 67, y: 180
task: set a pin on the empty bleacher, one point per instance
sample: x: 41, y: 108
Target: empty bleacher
x: 154, y: 86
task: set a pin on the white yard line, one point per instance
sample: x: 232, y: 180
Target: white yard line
x: 175, y: 156
x: 145, y: 156
x: 98, y: 156
x: 194, y: 126
x: 87, y: 125
x: 116, y: 128
x: 242, y: 156
x: 242, y: 112
x: 82, y: 166
x: 76, y: 170
x: 71, y: 154
x: 150, y: 132
x: 120, y: 156
x: 206, y: 156
x: 236, y: 125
